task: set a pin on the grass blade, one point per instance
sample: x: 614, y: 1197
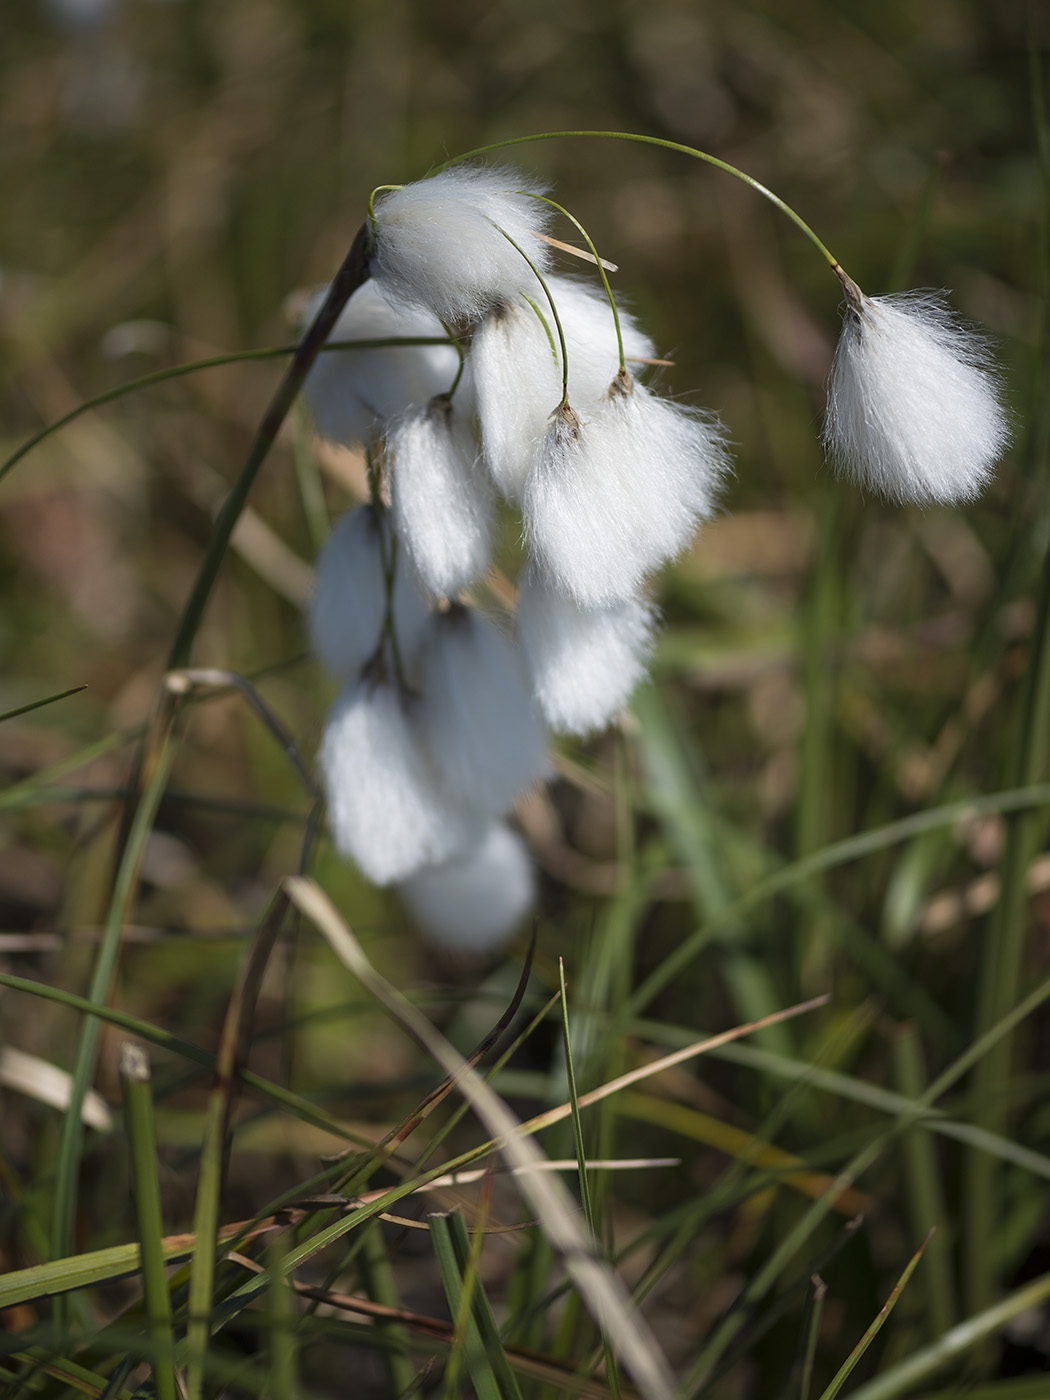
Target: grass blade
x: 159, y: 758
x: 138, y: 1105
x: 847, y: 1367
x: 468, y: 1350
x: 232, y: 1050
x: 39, y: 704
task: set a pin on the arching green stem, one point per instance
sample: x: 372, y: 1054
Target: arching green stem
x: 667, y: 145
x: 160, y: 376
x: 379, y: 189
x: 598, y: 263
x: 544, y: 323
x: 554, y: 312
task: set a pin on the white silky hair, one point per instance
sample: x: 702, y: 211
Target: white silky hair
x: 517, y: 374
x: 387, y: 810
x: 613, y: 496
x: 479, y: 722
x: 475, y: 901
x: 584, y: 662
x: 349, y: 601
x: 914, y: 409
x: 351, y: 393
x: 444, y: 504
x: 438, y: 242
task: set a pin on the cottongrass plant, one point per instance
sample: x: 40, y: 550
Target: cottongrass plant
x: 537, y: 401
x: 438, y: 726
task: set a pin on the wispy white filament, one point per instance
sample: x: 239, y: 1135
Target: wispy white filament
x: 613, y: 496
x: 349, y: 602
x: 438, y: 242
x: 913, y: 401
x: 351, y: 392
x: 517, y: 371
x: 475, y: 901
x: 477, y: 717
x: 443, y: 503
x: 584, y: 662
x: 386, y: 809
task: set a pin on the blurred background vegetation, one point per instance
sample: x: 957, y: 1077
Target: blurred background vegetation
x: 172, y: 174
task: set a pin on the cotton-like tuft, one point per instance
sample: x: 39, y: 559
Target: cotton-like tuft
x: 438, y: 242
x: 517, y: 378
x: 478, y: 720
x: 386, y: 809
x: 444, y: 506
x: 914, y: 408
x: 475, y: 901
x: 350, y: 393
x: 349, y: 601
x: 584, y: 662
x: 610, y: 498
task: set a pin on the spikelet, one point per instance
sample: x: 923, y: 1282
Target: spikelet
x: 443, y: 503
x: 386, y: 809
x: 478, y: 720
x: 349, y: 601
x: 475, y: 901
x: 438, y: 242
x: 615, y: 496
x: 914, y: 408
x: 352, y: 393
x: 518, y: 380
x: 583, y: 662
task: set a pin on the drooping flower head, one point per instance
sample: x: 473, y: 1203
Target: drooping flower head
x: 444, y: 504
x: 448, y: 243
x: 914, y: 409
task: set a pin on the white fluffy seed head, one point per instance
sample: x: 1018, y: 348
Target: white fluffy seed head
x: 444, y: 505
x: 475, y: 901
x: 349, y: 600
x: 612, y: 497
x: 477, y: 716
x: 914, y: 409
x: 438, y: 242
x: 518, y: 376
x: 583, y: 662
x: 351, y: 393
x: 386, y: 809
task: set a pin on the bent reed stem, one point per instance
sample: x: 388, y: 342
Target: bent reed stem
x: 684, y: 150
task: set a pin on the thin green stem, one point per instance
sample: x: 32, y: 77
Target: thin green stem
x: 233, y: 357
x: 598, y: 263
x: 705, y: 156
x: 71, y: 1143
x: 142, y: 1139
x: 557, y: 319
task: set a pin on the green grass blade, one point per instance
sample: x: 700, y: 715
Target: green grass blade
x: 586, y: 1199
x: 925, y: 1194
x: 39, y: 704
x: 809, y: 1356
x: 468, y: 1256
x: 901, y: 1379
x: 468, y: 1352
x: 232, y: 1049
x: 281, y: 1324
x: 142, y: 1138
x: 848, y: 1366
x: 71, y: 1143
